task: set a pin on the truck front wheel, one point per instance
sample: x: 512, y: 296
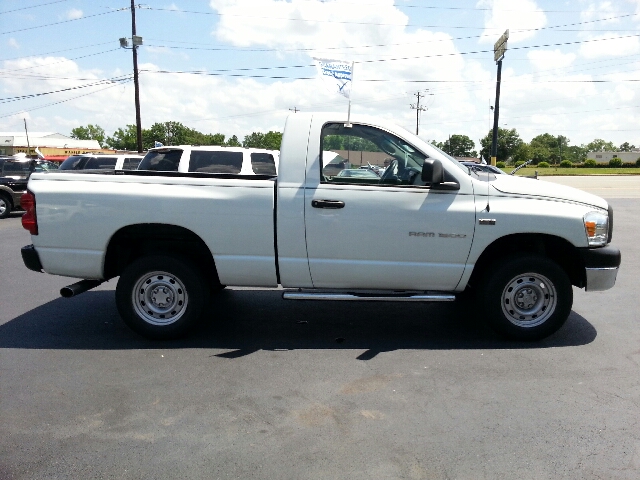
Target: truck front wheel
x: 527, y: 297
x: 161, y: 297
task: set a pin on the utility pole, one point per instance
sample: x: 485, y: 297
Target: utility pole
x: 135, y: 76
x: 499, y: 50
x: 416, y: 106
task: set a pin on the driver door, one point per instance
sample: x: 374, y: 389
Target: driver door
x: 368, y: 227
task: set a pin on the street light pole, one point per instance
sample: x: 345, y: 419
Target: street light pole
x: 135, y: 77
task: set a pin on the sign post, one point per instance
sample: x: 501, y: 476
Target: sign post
x: 499, y: 50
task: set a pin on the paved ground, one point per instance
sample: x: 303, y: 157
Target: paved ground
x: 275, y: 389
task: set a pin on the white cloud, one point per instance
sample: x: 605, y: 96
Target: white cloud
x: 619, y: 45
x: 637, y: 4
x: 550, y: 59
x: 601, y: 10
x: 521, y: 17
x: 13, y: 43
x: 74, y: 14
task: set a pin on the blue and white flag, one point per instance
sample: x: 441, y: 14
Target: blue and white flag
x: 336, y: 74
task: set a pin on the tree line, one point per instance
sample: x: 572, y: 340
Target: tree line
x: 552, y: 149
x: 172, y: 133
x: 542, y: 148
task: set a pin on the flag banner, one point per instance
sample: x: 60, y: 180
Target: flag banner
x: 336, y: 74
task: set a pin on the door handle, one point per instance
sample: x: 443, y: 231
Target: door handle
x: 327, y: 204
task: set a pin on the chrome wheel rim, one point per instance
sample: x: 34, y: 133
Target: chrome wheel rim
x: 529, y: 300
x: 3, y: 206
x: 160, y: 298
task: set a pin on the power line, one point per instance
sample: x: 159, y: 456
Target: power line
x: 34, y: 95
x: 384, y: 24
x: 32, y: 6
x: 55, y: 51
x: 57, y: 103
x: 3, y: 71
x: 62, y: 21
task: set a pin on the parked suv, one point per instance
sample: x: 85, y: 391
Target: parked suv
x: 14, y: 174
x: 92, y: 161
x: 212, y: 159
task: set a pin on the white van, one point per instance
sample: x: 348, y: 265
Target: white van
x: 102, y: 161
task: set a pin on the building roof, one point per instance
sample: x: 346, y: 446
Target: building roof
x: 44, y: 139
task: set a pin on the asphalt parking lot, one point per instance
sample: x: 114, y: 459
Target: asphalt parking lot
x: 270, y: 389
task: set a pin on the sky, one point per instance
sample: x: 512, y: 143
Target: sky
x: 572, y: 68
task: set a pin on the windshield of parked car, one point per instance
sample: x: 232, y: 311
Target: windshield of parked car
x: 45, y: 166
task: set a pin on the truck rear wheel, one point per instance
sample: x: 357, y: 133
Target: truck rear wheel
x: 161, y: 297
x: 527, y: 297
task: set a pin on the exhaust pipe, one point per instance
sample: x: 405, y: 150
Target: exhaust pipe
x: 79, y: 287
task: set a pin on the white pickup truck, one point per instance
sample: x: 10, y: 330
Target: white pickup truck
x: 426, y: 228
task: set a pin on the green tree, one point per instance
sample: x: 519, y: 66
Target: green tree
x: 508, y: 144
x: 198, y: 138
x: 625, y: 147
x: 599, y: 145
x: 576, y: 154
x: 459, y: 146
x: 548, y: 148
x: 123, y: 139
x: 270, y: 140
x: 90, y: 132
x: 167, y: 133
x: 233, y: 142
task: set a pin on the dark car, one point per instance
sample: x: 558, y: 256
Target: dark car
x: 14, y: 175
x: 90, y: 161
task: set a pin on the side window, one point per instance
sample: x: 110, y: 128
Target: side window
x: 263, y: 164
x: 161, y: 160
x: 215, y: 162
x: 360, y: 154
x: 102, y: 163
x: 131, y: 163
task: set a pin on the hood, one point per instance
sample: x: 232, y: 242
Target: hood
x: 530, y: 187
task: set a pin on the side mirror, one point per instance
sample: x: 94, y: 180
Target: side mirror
x: 432, y: 171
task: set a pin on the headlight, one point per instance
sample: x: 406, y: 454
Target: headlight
x: 596, y: 226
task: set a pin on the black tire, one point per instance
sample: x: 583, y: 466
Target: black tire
x: 5, y: 206
x: 161, y: 297
x: 526, y: 297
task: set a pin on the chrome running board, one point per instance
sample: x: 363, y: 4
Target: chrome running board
x: 369, y: 296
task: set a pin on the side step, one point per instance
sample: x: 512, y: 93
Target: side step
x: 370, y: 296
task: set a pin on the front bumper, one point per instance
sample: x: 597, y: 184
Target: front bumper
x: 601, y: 267
x: 30, y: 258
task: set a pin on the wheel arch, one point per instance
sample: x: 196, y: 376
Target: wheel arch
x: 7, y: 194
x: 553, y: 247
x: 134, y: 241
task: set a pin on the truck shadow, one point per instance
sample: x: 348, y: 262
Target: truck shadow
x: 241, y: 322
